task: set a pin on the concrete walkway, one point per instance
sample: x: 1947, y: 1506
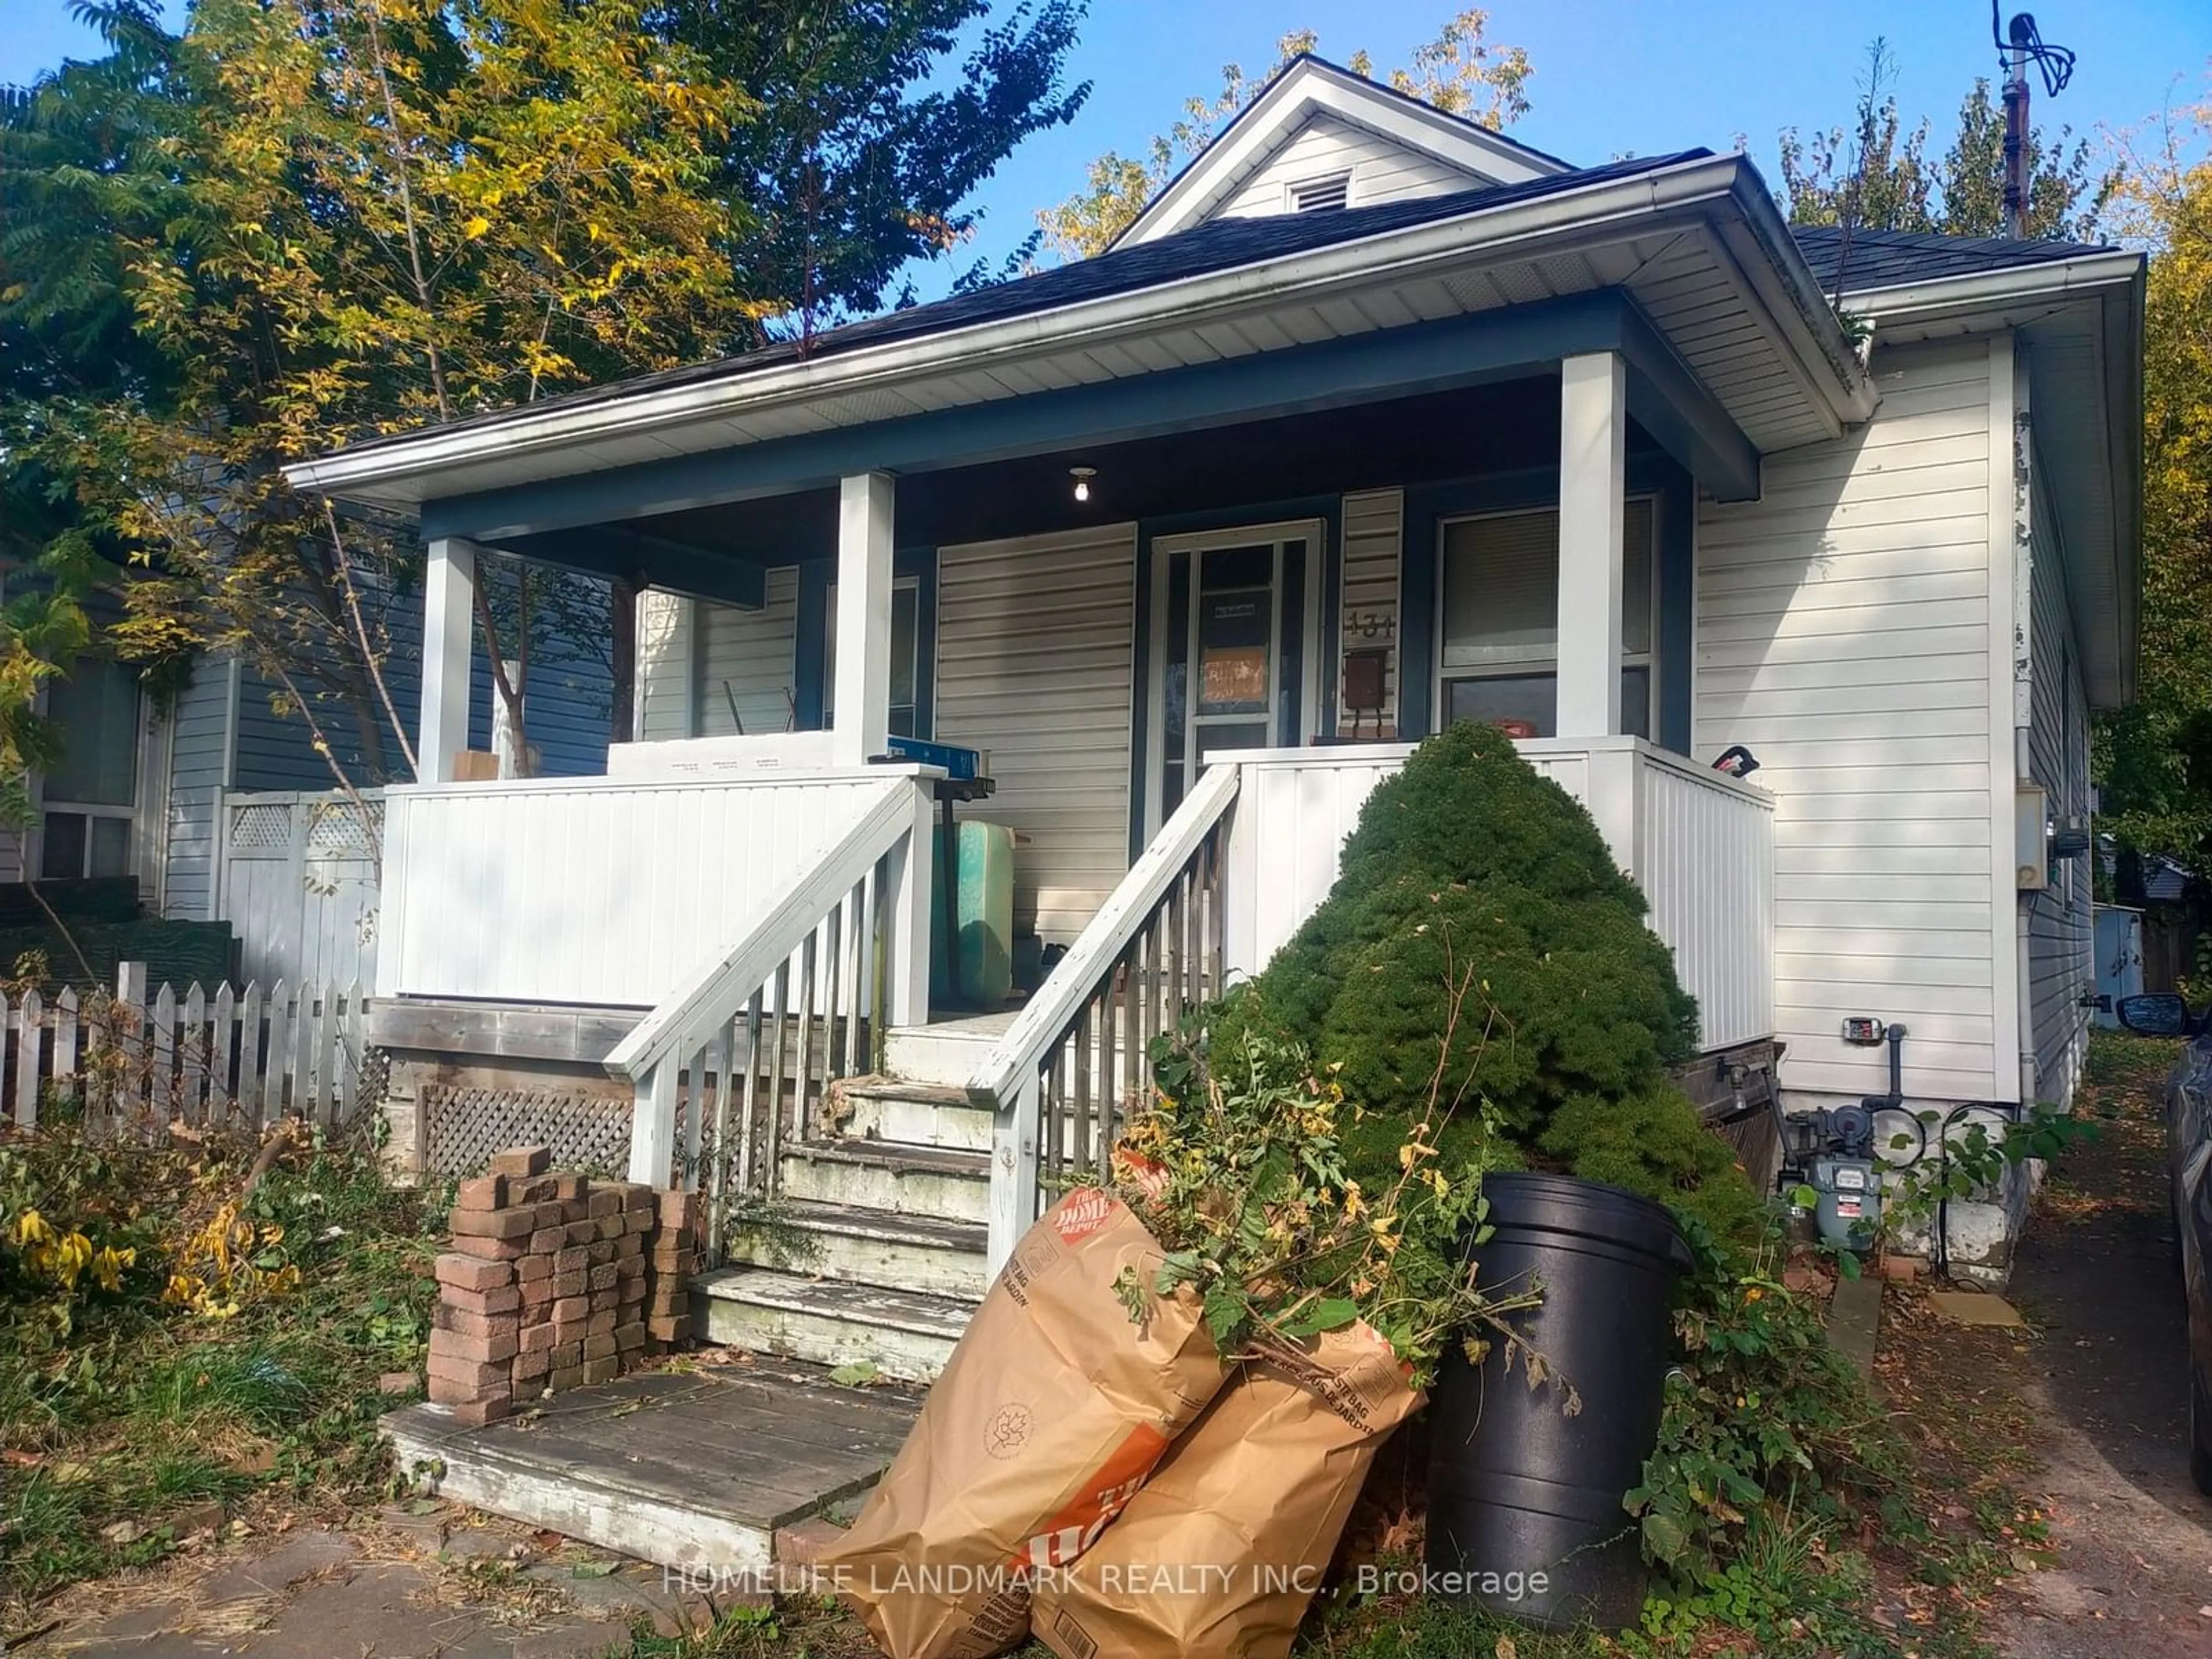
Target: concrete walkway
x: 424, y: 1581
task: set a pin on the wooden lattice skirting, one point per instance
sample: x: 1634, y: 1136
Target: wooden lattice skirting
x: 464, y: 1127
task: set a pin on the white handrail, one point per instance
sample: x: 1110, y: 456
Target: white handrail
x: 716, y: 990
x: 719, y: 990
x: 1044, y: 1020
x: 1007, y: 1079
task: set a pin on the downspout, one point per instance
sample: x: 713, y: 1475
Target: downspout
x: 2023, y: 695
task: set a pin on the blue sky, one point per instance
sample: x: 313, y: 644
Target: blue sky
x: 1612, y: 75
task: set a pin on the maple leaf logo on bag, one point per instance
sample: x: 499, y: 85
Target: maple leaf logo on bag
x: 1010, y: 1430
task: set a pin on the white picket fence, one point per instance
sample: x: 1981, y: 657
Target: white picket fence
x: 240, y: 1059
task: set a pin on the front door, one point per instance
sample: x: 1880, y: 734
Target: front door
x: 1235, y: 634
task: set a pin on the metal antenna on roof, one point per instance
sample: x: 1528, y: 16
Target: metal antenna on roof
x: 2016, y: 47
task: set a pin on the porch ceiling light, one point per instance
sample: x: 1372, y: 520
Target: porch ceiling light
x: 1082, y: 476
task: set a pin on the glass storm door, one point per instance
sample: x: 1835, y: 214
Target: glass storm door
x: 1231, y: 619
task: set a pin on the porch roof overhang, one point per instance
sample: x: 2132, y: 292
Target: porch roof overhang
x: 1737, y: 354
x: 2080, y: 319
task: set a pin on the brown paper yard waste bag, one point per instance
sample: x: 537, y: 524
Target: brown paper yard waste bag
x: 1219, y: 1552
x: 1053, y: 1409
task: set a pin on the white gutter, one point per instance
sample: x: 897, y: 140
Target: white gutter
x: 2049, y: 279
x: 1595, y: 212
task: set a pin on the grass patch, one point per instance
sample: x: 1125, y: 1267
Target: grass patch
x: 2123, y: 1060
x: 135, y: 1413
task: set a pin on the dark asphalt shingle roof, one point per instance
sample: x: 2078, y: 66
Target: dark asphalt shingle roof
x: 1877, y: 258
x: 1219, y: 244
x: 1888, y: 258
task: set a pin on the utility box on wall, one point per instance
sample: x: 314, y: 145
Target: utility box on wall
x: 2030, y: 820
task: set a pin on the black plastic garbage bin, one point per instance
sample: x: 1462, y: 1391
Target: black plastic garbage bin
x: 1525, y: 1512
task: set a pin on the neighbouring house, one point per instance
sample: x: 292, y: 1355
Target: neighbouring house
x: 156, y: 789
x: 1374, y: 420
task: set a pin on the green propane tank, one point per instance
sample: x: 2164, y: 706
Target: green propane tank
x: 984, y: 914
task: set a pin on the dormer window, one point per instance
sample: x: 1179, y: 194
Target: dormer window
x: 1317, y: 195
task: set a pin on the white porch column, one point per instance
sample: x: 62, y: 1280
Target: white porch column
x: 1593, y: 485
x: 862, y: 723
x: 449, y: 586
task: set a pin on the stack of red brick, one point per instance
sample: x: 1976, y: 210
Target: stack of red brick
x: 554, y: 1281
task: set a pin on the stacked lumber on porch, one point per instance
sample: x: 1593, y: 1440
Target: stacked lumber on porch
x: 554, y: 1281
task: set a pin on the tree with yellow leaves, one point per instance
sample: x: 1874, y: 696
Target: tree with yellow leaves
x: 2154, y: 759
x: 392, y: 213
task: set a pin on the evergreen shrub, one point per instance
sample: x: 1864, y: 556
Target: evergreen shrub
x: 1473, y: 882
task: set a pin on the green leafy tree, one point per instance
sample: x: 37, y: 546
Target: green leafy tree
x: 2154, y: 760
x: 74, y: 157
x: 1877, y: 174
x: 872, y: 126
x: 346, y: 217
x: 319, y: 220
x: 1458, y: 72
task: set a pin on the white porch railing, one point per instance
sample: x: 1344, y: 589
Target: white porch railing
x: 1078, y: 1049
x: 598, y: 891
x: 735, y: 1062
x: 1699, y: 843
x: 1254, y: 850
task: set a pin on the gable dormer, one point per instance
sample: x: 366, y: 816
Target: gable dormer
x: 1320, y: 138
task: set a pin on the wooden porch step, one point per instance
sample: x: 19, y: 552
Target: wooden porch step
x: 913, y: 1114
x: 946, y: 1052
x: 682, y: 1469
x: 904, y: 1334
x: 951, y: 1184
x: 872, y: 1247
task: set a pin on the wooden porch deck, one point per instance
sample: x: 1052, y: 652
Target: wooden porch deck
x: 692, y: 1468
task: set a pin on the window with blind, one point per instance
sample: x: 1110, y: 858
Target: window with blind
x: 1501, y: 635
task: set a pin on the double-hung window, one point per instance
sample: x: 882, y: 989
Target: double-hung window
x: 1500, y: 647
x: 89, y: 799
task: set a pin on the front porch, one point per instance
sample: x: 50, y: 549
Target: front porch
x: 767, y: 1017
x: 1184, y: 607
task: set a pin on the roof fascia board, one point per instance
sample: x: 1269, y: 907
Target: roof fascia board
x: 1792, y: 310
x: 1359, y: 368
x: 2123, y: 345
x: 394, y: 472
x: 1409, y: 361
x: 1278, y: 114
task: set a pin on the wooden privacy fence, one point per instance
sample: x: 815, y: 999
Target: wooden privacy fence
x: 243, y: 1059
x: 297, y: 878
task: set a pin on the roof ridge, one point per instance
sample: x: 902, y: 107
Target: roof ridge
x: 1403, y: 97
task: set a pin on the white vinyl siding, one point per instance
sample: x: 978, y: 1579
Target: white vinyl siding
x: 664, y: 665
x: 1035, y: 655
x: 1844, y: 633
x: 1372, y: 526
x: 749, y: 656
x: 200, y: 759
x: 2062, y: 961
x: 695, y: 658
x: 1327, y: 147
